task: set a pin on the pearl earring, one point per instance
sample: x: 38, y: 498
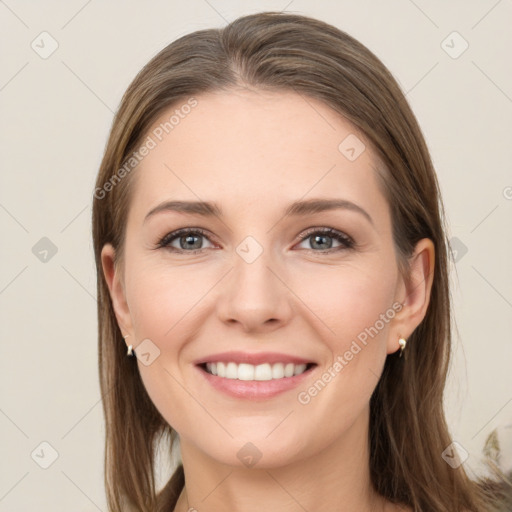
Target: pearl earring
x: 402, y: 342
x: 130, y: 347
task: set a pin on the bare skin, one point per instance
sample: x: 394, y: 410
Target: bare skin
x: 253, y: 153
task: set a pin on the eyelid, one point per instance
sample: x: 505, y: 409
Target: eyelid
x: 348, y: 240
x: 164, y: 242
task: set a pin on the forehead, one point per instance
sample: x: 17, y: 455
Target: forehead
x: 246, y: 147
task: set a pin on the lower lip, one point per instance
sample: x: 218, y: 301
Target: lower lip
x: 254, y: 389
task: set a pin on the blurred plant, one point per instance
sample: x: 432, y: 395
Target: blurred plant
x: 498, y: 458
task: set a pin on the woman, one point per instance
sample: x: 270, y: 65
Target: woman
x: 269, y: 243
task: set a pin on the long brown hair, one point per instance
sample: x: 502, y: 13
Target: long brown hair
x: 289, y: 52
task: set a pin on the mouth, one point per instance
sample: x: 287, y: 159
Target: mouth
x: 258, y: 382
x: 261, y: 372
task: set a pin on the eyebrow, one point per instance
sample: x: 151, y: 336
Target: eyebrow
x: 297, y: 208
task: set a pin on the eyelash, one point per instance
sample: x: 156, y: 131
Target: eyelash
x: 346, y: 241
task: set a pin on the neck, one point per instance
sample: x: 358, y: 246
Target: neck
x: 336, y: 478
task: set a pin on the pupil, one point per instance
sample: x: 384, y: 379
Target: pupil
x: 322, y: 239
x: 189, y: 241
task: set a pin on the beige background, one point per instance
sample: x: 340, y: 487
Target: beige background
x: 55, y: 117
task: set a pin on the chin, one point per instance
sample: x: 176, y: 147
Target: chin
x: 257, y: 452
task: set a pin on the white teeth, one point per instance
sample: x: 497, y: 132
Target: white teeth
x: 288, y: 370
x: 245, y: 372
x: 264, y: 371
x: 231, y: 371
x: 300, y: 368
x: 278, y: 371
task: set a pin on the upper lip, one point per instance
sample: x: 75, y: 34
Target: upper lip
x: 253, y: 358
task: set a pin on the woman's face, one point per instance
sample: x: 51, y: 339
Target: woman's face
x: 256, y: 282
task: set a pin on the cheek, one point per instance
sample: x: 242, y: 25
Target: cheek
x: 165, y: 306
x: 168, y: 303
x: 349, y: 299
x: 356, y: 303
x: 161, y: 298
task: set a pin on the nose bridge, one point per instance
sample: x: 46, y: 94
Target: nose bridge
x: 253, y: 278
x: 255, y: 295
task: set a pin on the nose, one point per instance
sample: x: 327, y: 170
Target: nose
x: 255, y: 296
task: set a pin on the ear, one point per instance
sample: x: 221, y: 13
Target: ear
x: 115, y: 282
x: 413, y: 293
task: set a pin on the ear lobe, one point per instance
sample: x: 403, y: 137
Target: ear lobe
x: 114, y: 279
x: 415, y: 292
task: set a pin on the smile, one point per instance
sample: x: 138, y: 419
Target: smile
x: 250, y: 372
x: 254, y: 382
